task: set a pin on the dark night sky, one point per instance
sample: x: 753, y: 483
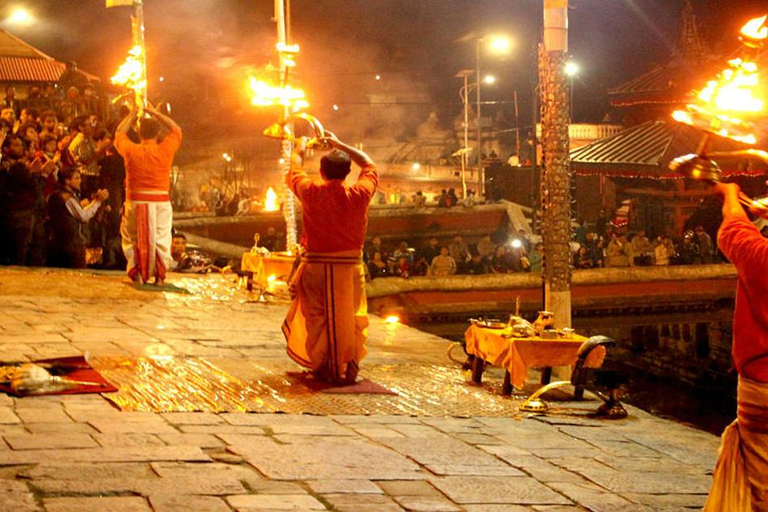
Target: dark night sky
x: 345, y: 43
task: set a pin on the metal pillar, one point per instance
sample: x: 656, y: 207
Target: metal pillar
x: 289, y: 202
x: 556, y: 179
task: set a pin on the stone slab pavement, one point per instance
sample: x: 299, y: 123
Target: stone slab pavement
x: 79, y: 453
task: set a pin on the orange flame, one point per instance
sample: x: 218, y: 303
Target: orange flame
x: 270, y: 204
x: 266, y: 95
x: 755, y: 28
x: 729, y: 105
x: 131, y: 72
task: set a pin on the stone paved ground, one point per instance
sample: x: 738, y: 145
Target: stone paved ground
x: 79, y: 453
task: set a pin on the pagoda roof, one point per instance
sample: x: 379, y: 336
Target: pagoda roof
x: 21, y: 62
x: 671, y: 83
x: 645, y: 151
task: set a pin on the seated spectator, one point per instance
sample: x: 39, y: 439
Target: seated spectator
x: 419, y: 201
x: 665, y: 250
x: 706, y: 246
x: 458, y: 250
x: 582, y: 259
x: 523, y: 237
x: 419, y: 267
x: 476, y: 266
x: 500, y: 262
x: 485, y: 248
x: 619, y: 252
x: 68, y: 218
x: 598, y: 253
x: 375, y: 245
x: 377, y: 267
x: 689, y: 252
x: 641, y: 249
x: 402, y: 267
x: 537, y: 257
x: 443, y: 264
x: 403, y: 251
x: 429, y: 251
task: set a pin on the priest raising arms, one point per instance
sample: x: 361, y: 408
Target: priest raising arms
x: 148, y: 215
x: 326, y: 326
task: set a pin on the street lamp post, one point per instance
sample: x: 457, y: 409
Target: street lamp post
x: 499, y: 45
x: 464, y: 93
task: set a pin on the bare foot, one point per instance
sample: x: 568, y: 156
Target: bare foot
x: 159, y: 282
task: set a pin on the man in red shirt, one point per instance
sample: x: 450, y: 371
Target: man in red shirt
x: 326, y: 326
x: 148, y: 215
x: 740, y: 481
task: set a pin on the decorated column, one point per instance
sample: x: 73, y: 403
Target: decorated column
x: 555, y: 178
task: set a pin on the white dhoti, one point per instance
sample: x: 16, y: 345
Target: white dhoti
x: 740, y: 481
x: 146, y: 233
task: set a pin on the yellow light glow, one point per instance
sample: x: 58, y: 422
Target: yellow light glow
x: 266, y: 95
x: 489, y: 79
x: 20, y: 16
x: 272, y: 278
x: 500, y: 45
x: 416, y: 166
x: 571, y: 69
x: 271, y: 204
x: 755, y: 28
x: 392, y: 319
x: 131, y: 73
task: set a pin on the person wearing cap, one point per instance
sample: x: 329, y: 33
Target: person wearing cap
x: 326, y: 325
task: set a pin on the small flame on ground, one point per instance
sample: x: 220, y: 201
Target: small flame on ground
x: 271, y: 205
x: 392, y: 319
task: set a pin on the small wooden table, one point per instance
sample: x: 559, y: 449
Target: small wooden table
x: 261, y: 267
x: 516, y: 355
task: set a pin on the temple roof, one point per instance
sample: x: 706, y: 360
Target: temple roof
x: 645, y: 150
x: 22, y: 62
x: 670, y: 83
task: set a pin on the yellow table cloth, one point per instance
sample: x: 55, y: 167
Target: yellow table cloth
x: 516, y: 355
x: 278, y: 264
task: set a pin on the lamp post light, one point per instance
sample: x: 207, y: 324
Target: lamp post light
x: 499, y: 45
x: 571, y: 69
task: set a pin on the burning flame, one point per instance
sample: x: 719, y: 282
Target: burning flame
x: 266, y: 95
x: 131, y: 72
x: 755, y: 28
x: 729, y: 104
x: 271, y: 205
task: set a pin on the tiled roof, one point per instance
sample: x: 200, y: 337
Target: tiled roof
x: 646, y: 150
x: 25, y: 69
x: 22, y: 62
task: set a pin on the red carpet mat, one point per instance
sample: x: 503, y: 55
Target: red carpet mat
x: 363, y: 386
x: 78, y: 377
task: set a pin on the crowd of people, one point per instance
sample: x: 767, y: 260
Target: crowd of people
x: 523, y: 253
x: 61, y: 189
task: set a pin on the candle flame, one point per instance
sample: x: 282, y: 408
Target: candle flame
x: 270, y: 204
x: 267, y: 95
x: 131, y: 73
x: 755, y: 28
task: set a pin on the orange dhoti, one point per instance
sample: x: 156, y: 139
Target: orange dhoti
x: 327, y: 324
x: 740, y: 481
